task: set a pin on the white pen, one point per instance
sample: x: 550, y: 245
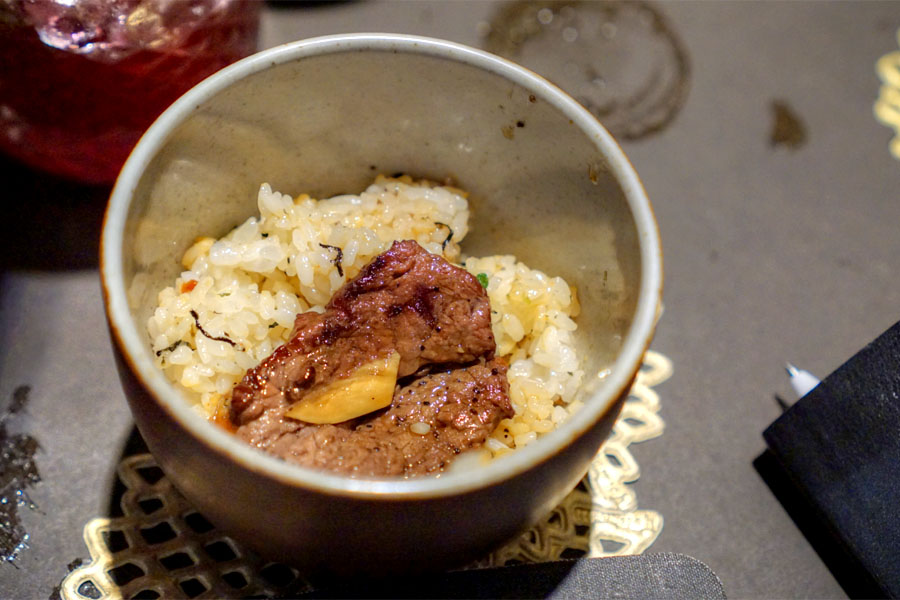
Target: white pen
x: 802, y: 381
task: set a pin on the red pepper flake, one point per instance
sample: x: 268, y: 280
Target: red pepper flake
x: 187, y: 286
x: 222, y: 418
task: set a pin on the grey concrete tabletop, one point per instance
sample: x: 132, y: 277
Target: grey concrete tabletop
x: 776, y: 195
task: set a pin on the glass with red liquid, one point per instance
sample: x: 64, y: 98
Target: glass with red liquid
x: 80, y: 80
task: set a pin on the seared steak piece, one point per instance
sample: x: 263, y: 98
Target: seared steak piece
x: 405, y: 300
x: 435, y: 316
x: 430, y: 421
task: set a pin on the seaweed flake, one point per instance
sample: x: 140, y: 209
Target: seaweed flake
x: 449, y: 236
x: 336, y: 261
x: 172, y: 347
x: 212, y: 337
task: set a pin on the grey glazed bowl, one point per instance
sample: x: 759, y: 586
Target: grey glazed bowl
x: 323, y: 116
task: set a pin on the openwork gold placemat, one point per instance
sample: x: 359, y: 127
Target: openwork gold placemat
x: 887, y: 107
x: 163, y: 548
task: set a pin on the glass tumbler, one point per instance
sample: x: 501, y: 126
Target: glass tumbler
x: 80, y: 80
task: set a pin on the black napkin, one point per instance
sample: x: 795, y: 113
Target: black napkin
x: 660, y: 576
x: 840, y: 447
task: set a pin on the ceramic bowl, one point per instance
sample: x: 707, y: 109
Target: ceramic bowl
x: 547, y: 183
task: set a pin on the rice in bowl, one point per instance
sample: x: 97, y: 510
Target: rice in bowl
x: 237, y: 298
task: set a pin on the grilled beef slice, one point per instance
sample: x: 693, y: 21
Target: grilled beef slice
x: 461, y: 406
x: 405, y: 300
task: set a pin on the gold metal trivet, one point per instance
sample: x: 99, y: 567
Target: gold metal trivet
x: 887, y: 107
x: 163, y: 548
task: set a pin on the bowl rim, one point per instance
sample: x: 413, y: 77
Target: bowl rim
x: 137, y: 355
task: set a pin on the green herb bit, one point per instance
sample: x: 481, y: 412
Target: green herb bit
x: 482, y: 279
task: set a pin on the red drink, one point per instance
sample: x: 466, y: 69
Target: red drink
x: 79, y: 84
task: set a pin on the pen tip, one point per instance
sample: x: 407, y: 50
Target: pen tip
x: 791, y: 369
